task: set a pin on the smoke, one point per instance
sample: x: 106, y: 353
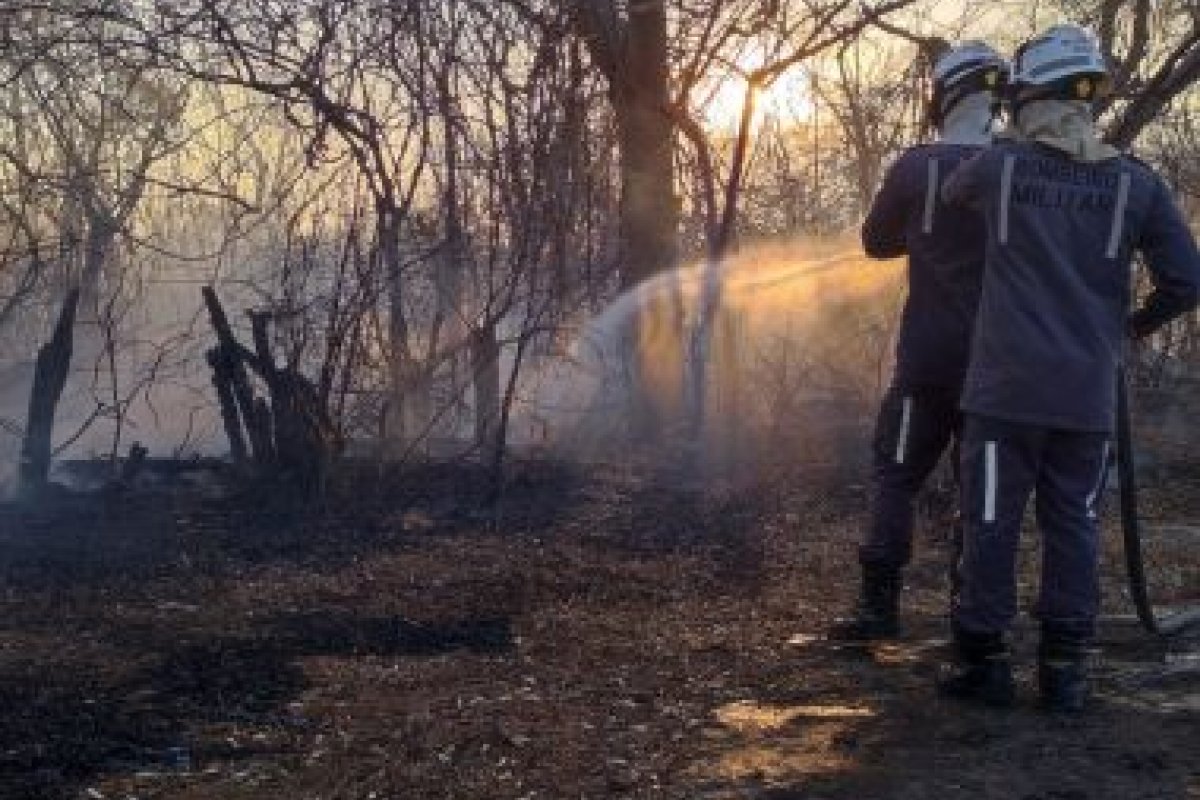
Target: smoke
x: 786, y: 370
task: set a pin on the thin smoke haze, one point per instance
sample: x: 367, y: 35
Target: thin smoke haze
x: 797, y: 347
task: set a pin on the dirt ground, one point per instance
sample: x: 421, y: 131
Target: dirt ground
x: 603, y: 637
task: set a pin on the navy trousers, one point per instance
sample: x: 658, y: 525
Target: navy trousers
x: 1002, y: 462
x: 914, y: 427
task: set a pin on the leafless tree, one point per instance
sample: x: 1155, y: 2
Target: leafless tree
x: 86, y: 131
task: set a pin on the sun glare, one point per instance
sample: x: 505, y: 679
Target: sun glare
x: 787, y: 100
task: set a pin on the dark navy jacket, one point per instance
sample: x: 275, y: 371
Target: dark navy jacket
x: 1053, y: 315
x: 944, y: 244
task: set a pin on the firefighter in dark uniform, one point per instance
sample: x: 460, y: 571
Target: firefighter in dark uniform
x: 919, y: 415
x: 1065, y: 214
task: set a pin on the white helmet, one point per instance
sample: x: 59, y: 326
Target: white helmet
x: 1066, y: 60
x: 969, y: 58
x: 963, y: 70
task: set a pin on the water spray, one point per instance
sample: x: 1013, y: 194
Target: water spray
x: 770, y: 354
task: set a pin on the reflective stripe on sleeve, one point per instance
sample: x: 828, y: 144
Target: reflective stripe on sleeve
x: 931, y: 189
x: 905, y: 423
x: 1006, y: 179
x: 990, y: 468
x: 1118, y: 220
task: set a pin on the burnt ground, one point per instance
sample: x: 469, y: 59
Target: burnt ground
x: 601, y: 637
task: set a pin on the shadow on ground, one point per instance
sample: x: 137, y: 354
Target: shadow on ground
x: 71, y: 719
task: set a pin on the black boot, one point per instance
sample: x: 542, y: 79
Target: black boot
x: 1063, y: 674
x: 982, y: 674
x: 875, y: 614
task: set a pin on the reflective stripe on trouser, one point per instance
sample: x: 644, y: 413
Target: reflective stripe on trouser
x: 913, y: 429
x: 1002, y: 463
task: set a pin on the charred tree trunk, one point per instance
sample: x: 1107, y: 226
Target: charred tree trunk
x: 263, y: 428
x: 49, y: 379
x: 499, y: 448
x: 292, y: 431
x: 262, y: 344
x: 232, y: 367
x: 449, y: 329
x: 485, y: 367
x: 305, y: 437
x: 401, y: 383
x: 135, y: 462
x: 229, y: 409
x: 302, y: 442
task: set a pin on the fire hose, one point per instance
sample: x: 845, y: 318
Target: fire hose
x: 1135, y: 564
